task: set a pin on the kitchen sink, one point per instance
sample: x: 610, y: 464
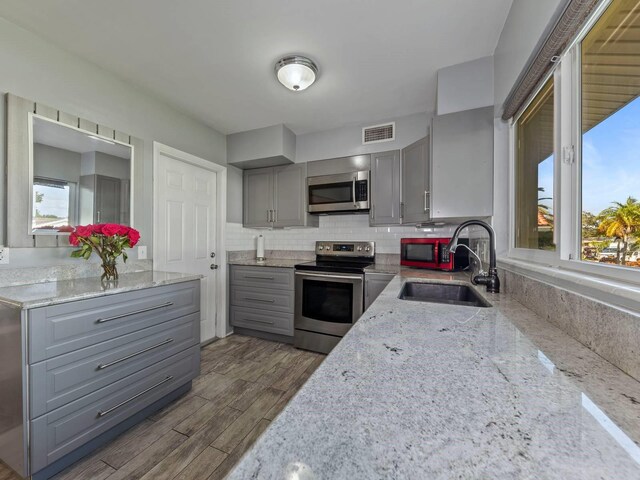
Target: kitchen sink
x: 448, y: 293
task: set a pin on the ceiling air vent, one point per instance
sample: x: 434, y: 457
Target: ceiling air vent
x: 379, y: 133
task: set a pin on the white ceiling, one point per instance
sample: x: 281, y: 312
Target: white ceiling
x: 214, y: 58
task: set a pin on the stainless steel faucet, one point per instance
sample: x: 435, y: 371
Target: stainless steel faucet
x: 490, y: 279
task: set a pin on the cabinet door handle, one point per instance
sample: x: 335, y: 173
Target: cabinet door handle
x: 102, y: 366
x: 426, y: 206
x: 268, y: 215
x: 401, y: 209
x: 142, y: 310
x: 102, y: 413
x: 259, y: 300
x: 259, y: 278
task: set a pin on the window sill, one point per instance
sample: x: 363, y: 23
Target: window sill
x: 616, y: 293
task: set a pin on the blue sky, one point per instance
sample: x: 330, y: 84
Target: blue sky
x: 55, y: 201
x: 610, y: 161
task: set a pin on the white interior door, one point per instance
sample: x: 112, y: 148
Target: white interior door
x: 185, y: 228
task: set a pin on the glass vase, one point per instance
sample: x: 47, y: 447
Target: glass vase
x: 110, y: 271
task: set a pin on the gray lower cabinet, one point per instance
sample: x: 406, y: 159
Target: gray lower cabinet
x: 385, y: 188
x: 94, y: 364
x: 262, y: 299
x: 374, y: 284
x: 416, y: 182
x: 275, y: 197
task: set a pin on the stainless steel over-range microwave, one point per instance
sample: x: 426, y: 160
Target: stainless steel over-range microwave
x: 342, y: 192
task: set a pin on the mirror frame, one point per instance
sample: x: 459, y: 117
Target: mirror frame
x: 20, y: 169
x: 32, y: 116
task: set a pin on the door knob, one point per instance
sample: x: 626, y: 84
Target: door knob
x: 213, y: 266
x: 213, y: 255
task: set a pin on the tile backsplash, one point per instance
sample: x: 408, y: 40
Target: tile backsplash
x: 332, y: 227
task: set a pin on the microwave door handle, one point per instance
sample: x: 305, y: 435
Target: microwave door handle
x: 355, y: 201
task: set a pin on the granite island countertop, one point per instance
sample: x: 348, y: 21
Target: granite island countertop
x: 51, y: 293
x: 421, y: 390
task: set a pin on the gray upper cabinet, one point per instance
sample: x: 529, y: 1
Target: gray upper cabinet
x: 462, y: 164
x: 289, y: 195
x: 276, y: 197
x: 416, y: 182
x: 385, y: 188
x: 258, y: 197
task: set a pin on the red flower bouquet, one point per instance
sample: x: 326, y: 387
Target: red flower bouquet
x: 108, y: 240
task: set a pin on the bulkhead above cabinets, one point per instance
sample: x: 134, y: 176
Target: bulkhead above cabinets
x: 262, y: 147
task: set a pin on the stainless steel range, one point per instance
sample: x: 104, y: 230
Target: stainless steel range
x: 329, y: 293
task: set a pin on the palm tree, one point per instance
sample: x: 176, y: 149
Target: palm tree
x: 621, y: 221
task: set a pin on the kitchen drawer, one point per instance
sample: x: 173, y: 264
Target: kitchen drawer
x: 265, y: 299
x: 63, y: 430
x: 65, y: 378
x: 60, y: 329
x: 262, y: 277
x: 265, y: 321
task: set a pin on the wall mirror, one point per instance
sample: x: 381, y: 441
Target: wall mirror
x: 77, y: 177
x: 63, y: 171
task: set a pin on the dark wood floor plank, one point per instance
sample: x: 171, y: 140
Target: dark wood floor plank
x: 233, y: 458
x: 96, y: 470
x: 138, y: 466
x: 153, y: 433
x: 250, y: 394
x: 237, y: 430
x: 288, y: 395
x: 292, y: 375
x: 203, y: 465
x: 181, y: 457
x: 198, y: 419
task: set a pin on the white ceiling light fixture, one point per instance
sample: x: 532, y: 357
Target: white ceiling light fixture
x: 296, y: 72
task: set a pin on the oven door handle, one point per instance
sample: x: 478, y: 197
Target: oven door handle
x: 329, y: 275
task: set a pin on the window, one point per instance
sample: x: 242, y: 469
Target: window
x: 580, y: 208
x: 51, y: 204
x: 610, y: 135
x: 534, y: 173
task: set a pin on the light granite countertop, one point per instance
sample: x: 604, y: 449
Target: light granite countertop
x: 292, y: 262
x: 52, y: 293
x: 421, y: 390
x: 269, y: 262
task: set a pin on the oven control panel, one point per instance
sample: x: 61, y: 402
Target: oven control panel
x: 347, y: 249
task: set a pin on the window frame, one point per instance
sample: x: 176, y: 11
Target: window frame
x: 567, y: 169
x: 550, y: 258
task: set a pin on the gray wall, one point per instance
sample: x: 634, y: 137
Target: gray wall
x: 35, y: 69
x: 234, y: 195
x: 465, y: 86
x: 526, y: 24
x: 342, y: 142
x: 56, y: 163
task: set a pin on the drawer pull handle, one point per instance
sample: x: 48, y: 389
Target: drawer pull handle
x: 259, y: 300
x: 261, y: 321
x: 102, y: 413
x: 102, y: 366
x: 259, y: 278
x: 122, y: 315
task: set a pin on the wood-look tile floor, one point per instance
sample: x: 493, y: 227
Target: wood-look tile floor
x: 244, y: 383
